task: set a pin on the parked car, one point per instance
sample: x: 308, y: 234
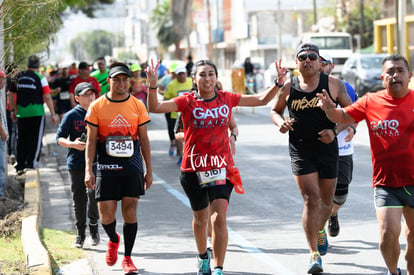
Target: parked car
x: 363, y: 72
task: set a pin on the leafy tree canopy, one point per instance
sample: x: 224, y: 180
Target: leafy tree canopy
x: 30, y: 25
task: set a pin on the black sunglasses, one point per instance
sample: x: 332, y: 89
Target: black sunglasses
x: 304, y: 56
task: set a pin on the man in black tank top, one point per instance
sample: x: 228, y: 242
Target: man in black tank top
x: 313, y: 146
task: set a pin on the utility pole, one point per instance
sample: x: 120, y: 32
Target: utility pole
x: 279, y: 25
x: 315, y: 14
x: 361, y: 23
x: 210, y: 43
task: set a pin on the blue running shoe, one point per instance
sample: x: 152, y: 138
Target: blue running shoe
x: 218, y: 271
x: 180, y: 159
x: 172, y: 150
x: 315, y: 265
x: 399, y: 272
x: 322, y: 243
x: 203, y: 265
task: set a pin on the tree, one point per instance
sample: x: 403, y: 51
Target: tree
x: 89, y: 46
x: 30, y: 25
x: 171, y: 22
x: 371, y: 12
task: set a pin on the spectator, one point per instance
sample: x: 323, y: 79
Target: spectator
x: 72, y: 135
x: 4, y: 135
x: 32, y: 90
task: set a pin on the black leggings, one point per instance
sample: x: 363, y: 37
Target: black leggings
x: 170, y: 126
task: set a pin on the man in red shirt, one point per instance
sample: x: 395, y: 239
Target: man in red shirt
x: 84, y: 75
x: 390, y: 120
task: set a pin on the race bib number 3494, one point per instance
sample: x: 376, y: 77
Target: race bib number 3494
x: 120, y: 146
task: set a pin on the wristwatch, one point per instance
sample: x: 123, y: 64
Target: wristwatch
x: 336, y: 131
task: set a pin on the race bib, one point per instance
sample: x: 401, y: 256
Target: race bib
x: 64, y: 95
x: 120, y: 146
x: 212, y: 177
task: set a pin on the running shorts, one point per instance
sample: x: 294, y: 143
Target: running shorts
x: 117, y: 187
x: 310, y: 157
x: 201, y: 197
x: 394, y: 197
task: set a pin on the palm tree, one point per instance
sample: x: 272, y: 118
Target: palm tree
x: 171, y: 23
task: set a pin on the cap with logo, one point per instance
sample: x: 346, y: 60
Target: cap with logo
x: 180, y: 70
x: 307, y: 47
x: 326, y: 56
x: 83, y: 87
x: 120, y: 69
x: 83, y: 65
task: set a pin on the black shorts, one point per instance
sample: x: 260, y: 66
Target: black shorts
x: 117, y: 187
x: 346, y: 166
x: 63, y: 106
x: 201, y: 197
x: 310, y: 157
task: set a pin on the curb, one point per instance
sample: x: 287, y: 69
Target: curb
x: 37, y: 257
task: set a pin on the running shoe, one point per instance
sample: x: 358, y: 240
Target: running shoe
x: 203, y: 265
x: 333, y: 225
x: 172, y: 150
x: 180, y: 159
x: 315, y: 265
x: 112, y: 252
x: 322, y: 243
x: 80, y: 240
x: 128, y: 266
x: 399, y: 272
x: 218, y: 271
x: 95, y: 238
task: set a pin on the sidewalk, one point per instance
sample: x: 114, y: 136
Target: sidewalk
x: 48, y: 198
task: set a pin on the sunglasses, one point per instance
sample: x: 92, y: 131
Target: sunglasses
x: 324, y: 63
x: 304, y: 56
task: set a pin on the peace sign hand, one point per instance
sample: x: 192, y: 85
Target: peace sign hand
x: 152, y: 73
x: 281, y: 72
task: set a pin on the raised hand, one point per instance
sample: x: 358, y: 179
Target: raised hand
x: 152, y: 73
x: 281, y: 72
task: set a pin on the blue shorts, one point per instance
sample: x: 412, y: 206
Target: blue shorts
x: 394, y: 197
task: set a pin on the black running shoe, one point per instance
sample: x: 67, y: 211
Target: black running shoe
x: 333, y: 225
x: 80, y: 240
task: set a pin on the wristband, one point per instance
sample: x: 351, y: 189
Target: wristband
x: 353, y: 128
x: 153, y: 88
x: 233, y: 135
x: 278, y: 85
x: 13, y: 110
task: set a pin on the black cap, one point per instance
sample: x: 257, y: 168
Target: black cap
x: 33, y: 62
x: 83, y: 87
x: 83, y: 65
x: 120, y: 69
x: 307, y: 47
